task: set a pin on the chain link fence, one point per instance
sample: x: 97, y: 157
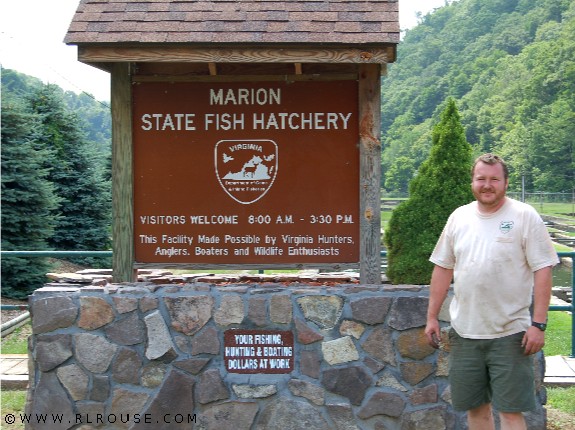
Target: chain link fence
x: 543, y: 197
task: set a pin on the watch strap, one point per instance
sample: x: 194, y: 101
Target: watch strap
x: 540, y: 326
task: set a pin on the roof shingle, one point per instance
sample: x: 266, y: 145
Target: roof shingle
x: 247, y: 21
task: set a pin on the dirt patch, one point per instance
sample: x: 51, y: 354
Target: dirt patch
x: 558, y: 420
x: 8, y: 315
x: 63, y: 266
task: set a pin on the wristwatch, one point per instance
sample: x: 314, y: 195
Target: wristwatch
x: 540, y: 326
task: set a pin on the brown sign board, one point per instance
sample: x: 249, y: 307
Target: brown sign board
x: 246, y: 172
x: 258, y: 351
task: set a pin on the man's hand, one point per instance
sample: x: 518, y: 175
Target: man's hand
x: 433, y: 333
x: 438, y: 288
x: 533, y: 341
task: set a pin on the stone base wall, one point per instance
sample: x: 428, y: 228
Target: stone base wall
x: 145, y: 355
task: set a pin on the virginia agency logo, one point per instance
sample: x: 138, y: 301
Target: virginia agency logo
x: 246, y: 169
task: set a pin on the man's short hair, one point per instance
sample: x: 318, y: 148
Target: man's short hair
x: 491, y: 159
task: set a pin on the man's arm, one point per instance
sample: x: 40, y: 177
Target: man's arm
x: 438, y: 288
x: 534, y: 338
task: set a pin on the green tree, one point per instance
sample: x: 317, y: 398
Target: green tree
x: 95, y: 116
x: 78, y: 177
x: 28, y: 199
x: 398, y: 174
x: 441, y: 185
x: 555, y: 123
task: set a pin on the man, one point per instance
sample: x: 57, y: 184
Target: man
x: 499, y: 254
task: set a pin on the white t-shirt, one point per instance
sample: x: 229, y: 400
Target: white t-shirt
x: 493, y: 257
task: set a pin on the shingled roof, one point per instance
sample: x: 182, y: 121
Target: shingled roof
x: 338, y: 22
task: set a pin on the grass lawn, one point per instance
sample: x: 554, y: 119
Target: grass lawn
x: 558, y: 334
x: 562, y: 399
x: 12, y: 403
x: 562, y: 210
x: 562, y: 248
x: 560, y: 408
x: 17, y: 341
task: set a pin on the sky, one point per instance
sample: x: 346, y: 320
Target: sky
x: 32, y: 34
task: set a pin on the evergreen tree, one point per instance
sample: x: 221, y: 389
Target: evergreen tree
x: 78, y: 177
x: 95, y: 115
x: 441, y: 185
x: 28, y: 199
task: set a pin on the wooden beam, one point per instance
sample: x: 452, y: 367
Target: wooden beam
x: 336, y: 267
x: 298, y: 68
x: 163, y: 54
x: 122, y: 183
x: 213, y: 69
x: 370, y: 173
x: 246, y: 78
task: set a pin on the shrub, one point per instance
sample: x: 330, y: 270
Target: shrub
x: 441, y: 185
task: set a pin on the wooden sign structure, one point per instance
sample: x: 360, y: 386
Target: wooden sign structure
x: 237, y: 146
x: 256, y: 173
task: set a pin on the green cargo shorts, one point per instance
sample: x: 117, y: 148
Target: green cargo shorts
x: 491, y: 370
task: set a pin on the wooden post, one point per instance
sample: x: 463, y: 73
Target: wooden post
x: 122, y: 183
x: 370, y: 173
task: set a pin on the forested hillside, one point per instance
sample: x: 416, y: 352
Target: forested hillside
x: 510, y: 66
x: 94, y: 116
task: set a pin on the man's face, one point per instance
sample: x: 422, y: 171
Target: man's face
x: 488, y: 185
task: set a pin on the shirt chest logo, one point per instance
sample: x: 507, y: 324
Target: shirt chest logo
x: 505, y: 226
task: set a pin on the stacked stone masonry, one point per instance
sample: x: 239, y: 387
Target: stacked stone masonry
x: 150, y: 355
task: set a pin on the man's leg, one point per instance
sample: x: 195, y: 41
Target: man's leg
x: 512, y: 380
x: 481, y: 418
x: 512, y: 421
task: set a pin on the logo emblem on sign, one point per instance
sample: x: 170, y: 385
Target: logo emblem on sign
x: 246, y: 169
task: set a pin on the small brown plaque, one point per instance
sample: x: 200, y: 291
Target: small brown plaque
x: 258, y: 351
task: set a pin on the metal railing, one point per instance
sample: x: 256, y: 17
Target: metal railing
x: 568, y: 254
x: 571, y: 307
x: 56, y: 253
x: 567, y: 308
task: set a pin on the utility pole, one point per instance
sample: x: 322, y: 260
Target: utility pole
x: 523, y: 187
